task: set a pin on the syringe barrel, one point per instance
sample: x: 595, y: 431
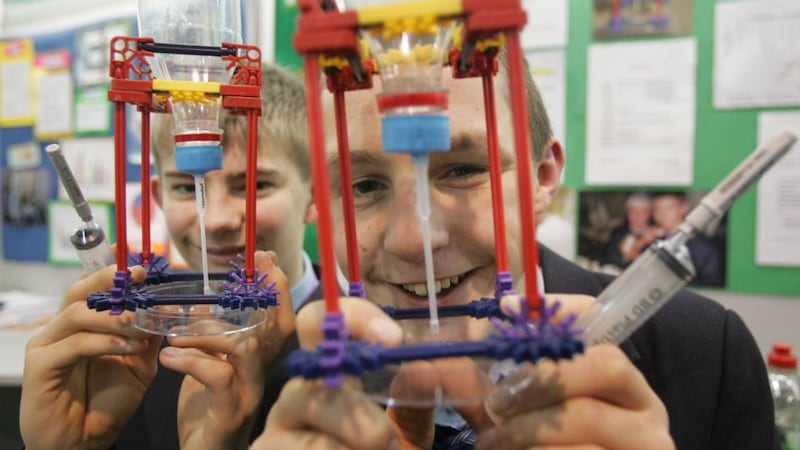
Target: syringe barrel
x: 631, y: 299
x: 92, y: 247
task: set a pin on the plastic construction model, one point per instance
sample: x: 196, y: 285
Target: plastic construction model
x: 409, y: 42
x: 177, y: 303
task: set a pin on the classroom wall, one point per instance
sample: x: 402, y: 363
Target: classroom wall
x: 772, y: 318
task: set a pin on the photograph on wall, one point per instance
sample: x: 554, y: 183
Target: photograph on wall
x: 27, y: 185
x: 615, y: 227
x: 25, y: 196
x: 627, y: 18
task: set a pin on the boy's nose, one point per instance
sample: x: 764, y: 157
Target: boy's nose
x: 223, y: 213
x: 403, y: 236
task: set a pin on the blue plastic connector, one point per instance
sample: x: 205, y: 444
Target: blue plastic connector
x: 198, y: 159
x: 415, y: 134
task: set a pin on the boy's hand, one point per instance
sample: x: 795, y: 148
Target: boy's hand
x: 309, y: 415
x: 226, y: 373
x: 85, y: 372
x: 596, y: 400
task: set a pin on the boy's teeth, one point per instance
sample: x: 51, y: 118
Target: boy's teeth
x: 421, y: 289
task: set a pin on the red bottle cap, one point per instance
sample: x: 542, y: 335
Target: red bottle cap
x: 782, y: 357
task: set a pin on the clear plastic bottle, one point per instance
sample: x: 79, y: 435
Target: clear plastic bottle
x: 785, y: 385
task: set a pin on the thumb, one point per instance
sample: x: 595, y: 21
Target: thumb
x: 364, y: 320
x: 413, y: 391
x: 267, y: 263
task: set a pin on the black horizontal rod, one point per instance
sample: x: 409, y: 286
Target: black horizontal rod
x: 184, y: 49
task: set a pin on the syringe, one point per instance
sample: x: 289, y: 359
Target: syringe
x: 89, y: 240
x: 665, y: 267
x: 420, y: 162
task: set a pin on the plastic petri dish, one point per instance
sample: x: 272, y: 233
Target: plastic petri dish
x: 195, y: 319
x: 443, y: 381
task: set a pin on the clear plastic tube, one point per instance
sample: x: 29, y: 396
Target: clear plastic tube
x: 200, y: 199
x: 89, y: 240
x: 424, y: 212
x: 92, y: 247
x: 637, y: 294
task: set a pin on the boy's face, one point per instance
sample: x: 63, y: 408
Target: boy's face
x: 389, y: 234
x: 669, y: 211
x: 638, y: 217
x: 282, y: 205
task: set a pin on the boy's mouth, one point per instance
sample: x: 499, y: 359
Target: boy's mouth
x: 443, y: 286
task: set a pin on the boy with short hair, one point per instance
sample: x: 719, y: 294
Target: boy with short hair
x: 72, y: 373
x: 691, y: 377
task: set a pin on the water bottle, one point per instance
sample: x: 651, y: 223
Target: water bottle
x: 785, y: 386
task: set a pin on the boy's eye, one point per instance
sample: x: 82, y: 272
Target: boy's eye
x: 262, y: 185
x: 366, y: 186
x: 183, y: 188
x: 461, y: 175
x: 466, y: 171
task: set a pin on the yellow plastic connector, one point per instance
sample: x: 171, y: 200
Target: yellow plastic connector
x: 497, y: 42
x: 422, y: 25
x: 189, y: 97
x: 457, y: 36
x: 377, y: 14
x: 364, y: 45
x: 336, y: 62
x: 418, y: 55
x: 206, y: 87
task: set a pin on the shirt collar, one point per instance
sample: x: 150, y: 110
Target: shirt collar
x: 306, y: 285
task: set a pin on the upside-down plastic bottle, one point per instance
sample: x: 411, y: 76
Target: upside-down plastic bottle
x: 785, y: 386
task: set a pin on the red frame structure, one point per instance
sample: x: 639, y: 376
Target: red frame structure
x: 132, y: 83
x: 324, y: 33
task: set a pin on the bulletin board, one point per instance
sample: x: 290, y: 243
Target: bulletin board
x: 71, y: 64
x: 722, y: 138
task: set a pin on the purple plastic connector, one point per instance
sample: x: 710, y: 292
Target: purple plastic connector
x: 122, y: 285
x: 357, y: 289
x: 523, y: 340
x: 503, y: 285
x: 240, y: 294
x: 333, y: 348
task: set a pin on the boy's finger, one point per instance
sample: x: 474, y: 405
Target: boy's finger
x: 210, y: 370
x: 603, y: 372
x: 414, y: 390
x: 82, y: 345
x: 364, y: 320
x: 267, y: 262
x: 78, y: 317
x: 310, y: 407
x: 100, y: 281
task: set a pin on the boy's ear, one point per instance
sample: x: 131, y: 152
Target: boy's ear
x: 549, y: 176
x: 311, y: 212
x: 155, y: 191
x: 549, y: 170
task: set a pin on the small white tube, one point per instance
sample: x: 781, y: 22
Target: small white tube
x: 200, y: 198
x: 424, y: 212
